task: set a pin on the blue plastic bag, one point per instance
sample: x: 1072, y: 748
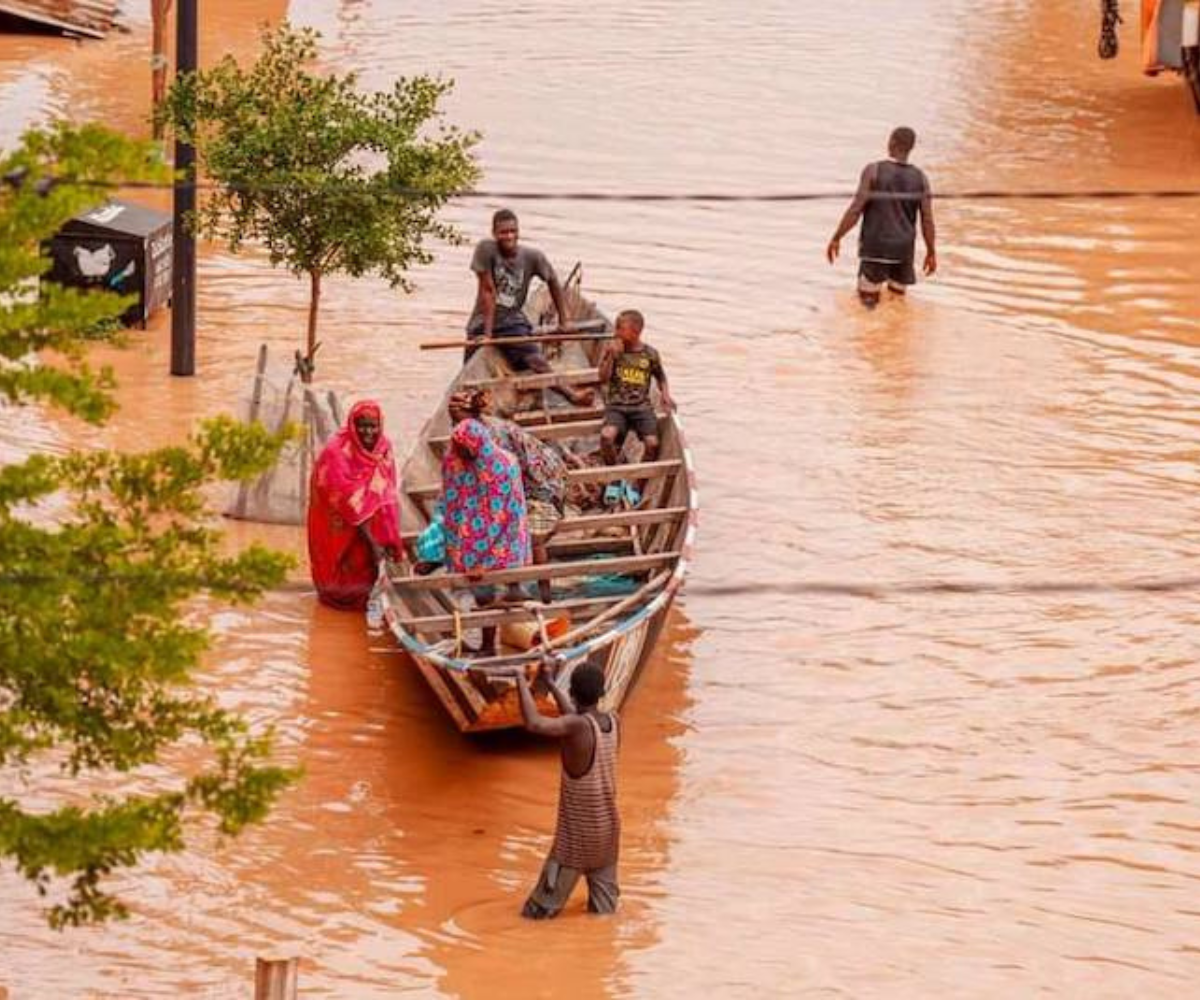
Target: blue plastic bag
x: 431, y: 543
x: 621, y: 492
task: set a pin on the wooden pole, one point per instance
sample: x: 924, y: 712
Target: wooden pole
x: 276, y: 978
x: 515, y: 659
x: 335, y: 407
x: 183, y: 292
x: 639, y: 595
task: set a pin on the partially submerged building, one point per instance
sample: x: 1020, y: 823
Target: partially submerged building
x: 91, y: 18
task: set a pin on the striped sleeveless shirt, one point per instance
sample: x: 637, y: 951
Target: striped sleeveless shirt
x: 589, y: 827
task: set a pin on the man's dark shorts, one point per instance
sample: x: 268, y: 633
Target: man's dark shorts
x: 520, y: 356
x: 874, y: 274
x: 643, y: 422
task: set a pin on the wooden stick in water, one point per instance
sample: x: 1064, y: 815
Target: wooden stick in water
x: 260, y: 374
x: 275, y: 979
x: 593, y: 329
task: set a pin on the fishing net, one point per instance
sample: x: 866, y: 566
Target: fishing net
x: 277, y: 398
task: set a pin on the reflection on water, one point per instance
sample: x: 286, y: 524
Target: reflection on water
x: 913, y: 794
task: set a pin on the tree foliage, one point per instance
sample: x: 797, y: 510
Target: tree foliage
x: 96, y: 649
x: 326, y: 178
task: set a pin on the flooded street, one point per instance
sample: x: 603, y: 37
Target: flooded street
x: 894, y: 793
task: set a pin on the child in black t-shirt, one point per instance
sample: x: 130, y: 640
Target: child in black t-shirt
x: 626, y: 368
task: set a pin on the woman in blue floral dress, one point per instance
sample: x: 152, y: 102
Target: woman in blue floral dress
x: 486, y: 521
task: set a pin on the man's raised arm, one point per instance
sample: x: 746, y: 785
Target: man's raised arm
x: 535, y: 722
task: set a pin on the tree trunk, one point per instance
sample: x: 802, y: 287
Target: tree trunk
x: 159, y: 9
x: 314, y: 303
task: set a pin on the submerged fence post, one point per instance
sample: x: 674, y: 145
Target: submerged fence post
x: 276, y: 978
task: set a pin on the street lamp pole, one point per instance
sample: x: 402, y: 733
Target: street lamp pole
x: 183, y: 291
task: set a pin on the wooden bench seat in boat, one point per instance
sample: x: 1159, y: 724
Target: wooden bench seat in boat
x: 530, y: 419
x: 573, y: 548
x: 547, y: 432
x: 631, y: 470
x: 525, y: 383
x: 503, y: 616
x: 620, y: 519
x: 593, y: 474
x: 602, y: 522
x: 559, y: 430
x: 548, y: 571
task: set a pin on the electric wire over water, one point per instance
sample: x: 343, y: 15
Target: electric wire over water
x: 404, y: 191
x: 734, y: 588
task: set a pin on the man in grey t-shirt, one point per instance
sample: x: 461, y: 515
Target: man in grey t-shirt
x: 504, y: 285
x: 505, y: 270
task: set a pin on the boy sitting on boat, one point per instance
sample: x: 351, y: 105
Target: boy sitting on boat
x: 626, y: 368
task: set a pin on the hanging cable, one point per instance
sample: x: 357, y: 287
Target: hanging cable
x: 736, y: 588
x: 706, y: 197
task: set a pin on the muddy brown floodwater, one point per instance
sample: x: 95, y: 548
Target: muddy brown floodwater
x: 903, y: 794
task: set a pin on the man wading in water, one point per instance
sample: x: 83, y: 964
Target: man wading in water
x: 887, y: 243
x: 587, y: 839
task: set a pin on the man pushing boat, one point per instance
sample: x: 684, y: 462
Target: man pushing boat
x: 504, y: 269
x: 587, y: 837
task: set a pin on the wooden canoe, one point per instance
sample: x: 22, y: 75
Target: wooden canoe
x: 640, y: 554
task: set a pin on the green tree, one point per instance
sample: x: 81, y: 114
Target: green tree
x: 96, y: 647
x: 326, y: 178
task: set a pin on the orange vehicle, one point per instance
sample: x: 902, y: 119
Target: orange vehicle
x: 1170, y: 31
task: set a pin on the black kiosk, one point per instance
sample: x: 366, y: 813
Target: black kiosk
x: 118, y: 246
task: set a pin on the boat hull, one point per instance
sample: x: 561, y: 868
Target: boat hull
x: 617, y: 633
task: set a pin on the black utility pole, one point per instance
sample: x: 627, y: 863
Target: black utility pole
x: 183, y: 294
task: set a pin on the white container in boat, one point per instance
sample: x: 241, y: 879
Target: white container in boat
x: 526, y: 635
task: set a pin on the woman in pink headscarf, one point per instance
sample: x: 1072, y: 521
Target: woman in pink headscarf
x: 353, y: 510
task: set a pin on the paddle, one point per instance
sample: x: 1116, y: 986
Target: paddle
x: 592, y: 329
